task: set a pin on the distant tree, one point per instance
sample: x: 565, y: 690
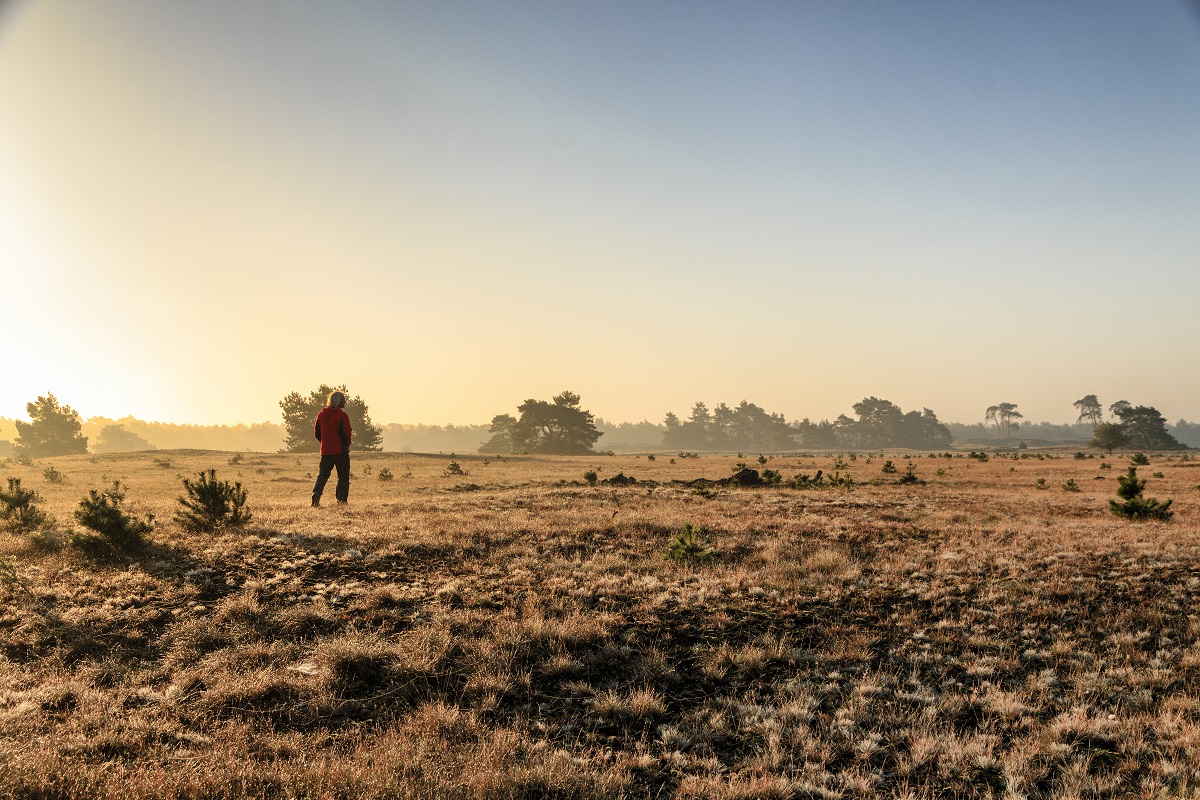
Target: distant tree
x: 1108, y: 436
x: 1116, y: 408
x: 115, y: 439
x: 1145, y: 428
x: 559, y: 427
x: 1002, y: 416
x: 1090, y: 410
x: 879, y: 421
x: 52, y: 431
x: 694, y: 433
x: 501, y: 441
x: 821, y: 434
x: 1185, y: 432
x: 299, y: 413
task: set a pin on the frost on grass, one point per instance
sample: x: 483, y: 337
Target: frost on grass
x: 978, y: 638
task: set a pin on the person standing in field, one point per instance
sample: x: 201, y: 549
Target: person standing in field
x: 333, y: 431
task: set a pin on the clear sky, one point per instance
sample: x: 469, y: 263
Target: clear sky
x: 454, y: 206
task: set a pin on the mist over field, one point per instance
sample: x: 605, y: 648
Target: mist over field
x: 267, y: 437
x: 820, y: 376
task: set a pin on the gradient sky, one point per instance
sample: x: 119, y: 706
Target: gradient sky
x: 454, y: 206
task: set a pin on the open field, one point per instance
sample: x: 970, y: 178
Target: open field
x: 514, y: 632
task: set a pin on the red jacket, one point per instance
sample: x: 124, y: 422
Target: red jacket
x: 333, y: 431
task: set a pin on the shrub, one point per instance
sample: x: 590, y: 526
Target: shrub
x: 1135, y: 506
x: 52, y: 475
x: 771, y: 477
x: 590, y: 476
x: 455, y: 469
x: 1071, y: 486
x: 693, y: 545
x: 385, y: 474
x: 19, y: 512
x: 650, y: 457
x: 211, y: 504
x: 910, y: 477
x: 889, y: 468
x: 1139, y: 459
x: 762, y: 459
x: 101, y: 511
x: 1041, y: 483
x: 235, y: 460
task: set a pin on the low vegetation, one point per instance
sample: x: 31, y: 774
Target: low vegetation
x: 528, y: 635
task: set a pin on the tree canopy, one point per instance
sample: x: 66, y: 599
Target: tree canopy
x: 560, y: 427
x: 880, y: 423
x: 1090, y: 410
x: 1002, y: 415
x: 1144, y: 428
x: 53, y: 430
x: 1108, y: 436
x: 300, y: 412
x: 116, y: 439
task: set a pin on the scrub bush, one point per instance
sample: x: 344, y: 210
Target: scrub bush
x: 211, y: 504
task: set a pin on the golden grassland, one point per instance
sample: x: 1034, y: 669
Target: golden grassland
x: 515, y: 632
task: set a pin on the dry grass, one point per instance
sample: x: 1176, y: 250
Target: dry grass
x: 517, y: 633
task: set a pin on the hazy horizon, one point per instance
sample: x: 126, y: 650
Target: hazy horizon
x: 454, y: 207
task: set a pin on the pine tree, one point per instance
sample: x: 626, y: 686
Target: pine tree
x: 1135, y: 506
x: 54, y: 430
x: 211, y: 504
x: 299, y: 413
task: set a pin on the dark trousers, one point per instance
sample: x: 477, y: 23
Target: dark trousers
x: 328, y: 463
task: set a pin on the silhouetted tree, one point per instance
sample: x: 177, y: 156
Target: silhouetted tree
x: 299, y: 413
x: 1002, y: 416
x: 501, y: 440
x: 1090, y: 410
x: 115, y: 439
x: 819, y: 434
x: 1145, y: 428
x: 881, y: 423
x: 53, y: 430
x: 559, y: 427
x: 1108, y: 436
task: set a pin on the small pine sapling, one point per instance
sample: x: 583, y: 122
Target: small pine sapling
x: 19, y: 512
x: 211, y: 504
x: 691, y: 546
x: 909, y: 478
x: 1135, y: 506
x: 102, y: 512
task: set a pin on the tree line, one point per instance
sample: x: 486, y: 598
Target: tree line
x: 562, y: 425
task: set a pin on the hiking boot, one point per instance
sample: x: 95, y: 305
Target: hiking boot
x: 316, y: 503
